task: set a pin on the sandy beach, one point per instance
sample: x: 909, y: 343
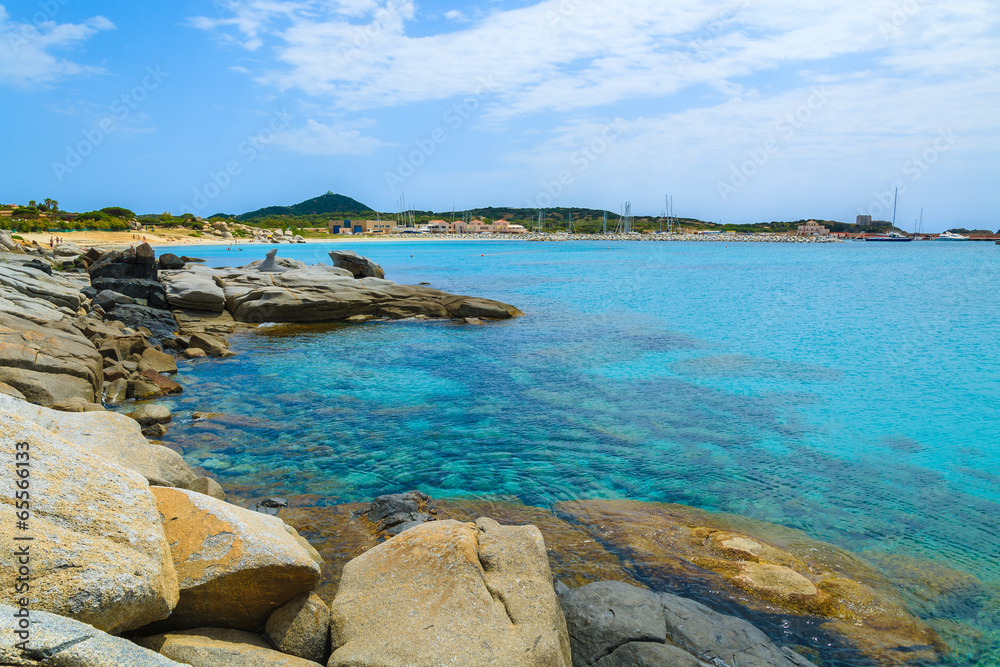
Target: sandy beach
x: 183, y: 238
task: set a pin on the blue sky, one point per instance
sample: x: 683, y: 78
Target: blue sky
x: 742, y: 110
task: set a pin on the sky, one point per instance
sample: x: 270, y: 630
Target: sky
x: 742, y: 111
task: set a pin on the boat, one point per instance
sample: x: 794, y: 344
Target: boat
x: 951, y: 236
x: 893, y: 235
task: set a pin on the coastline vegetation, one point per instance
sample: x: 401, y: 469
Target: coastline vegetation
x: 311, y: 217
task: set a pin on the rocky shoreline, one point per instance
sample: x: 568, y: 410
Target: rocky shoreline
x: 137, y: 559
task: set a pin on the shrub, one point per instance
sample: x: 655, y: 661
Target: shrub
x: 24, y: 213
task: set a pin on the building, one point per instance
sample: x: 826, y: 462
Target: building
x: 864, y: 221
x: 358, y: 227
x: 811, y: 228
x: 438, y: 227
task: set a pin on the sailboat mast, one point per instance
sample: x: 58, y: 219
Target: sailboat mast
x: 894, y: 198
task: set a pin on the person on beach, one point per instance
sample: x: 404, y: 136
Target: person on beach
x: 52, y: 243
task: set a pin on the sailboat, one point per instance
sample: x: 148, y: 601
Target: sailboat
x: 893, y: 235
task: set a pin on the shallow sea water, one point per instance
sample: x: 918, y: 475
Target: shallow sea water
x: 848, y: 390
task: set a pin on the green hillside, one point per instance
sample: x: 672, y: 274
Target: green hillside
x: 322, y: 205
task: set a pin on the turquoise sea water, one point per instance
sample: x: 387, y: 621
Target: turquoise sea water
x: 849, y: 390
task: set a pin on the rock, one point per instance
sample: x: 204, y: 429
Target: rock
x: 649, y: 654
x: 151, y: 413
x: 189, y: 260
x: 298, y: 239
x: 155, y: 432
x: 8, y: 390
x: 194, y: 353
x: 301, y: 627
x: 194, y: 289
x: 450, y: 593
x: 360, y: 267
x: 148, y: 384
x: 201, y: 321
x: 147, y: 292
x: 171, y: 469
x: 220, y: 647
x: 270, y: 264
x: 317, y: 294
x: 67, y: 250
x: 161, y: 362
x: 77, y: 404
x: 107, y: 300
x: 99, y: 554
x: 214, y: 346
x: 57, y: 641
x: 269, y: 506
x: 23, y: 281
x: 773, y: 571
x: 208, y: 486
x: 234, y: 566
x: 115, y: 392
x: 7, y: 243
x: 613, y: 623
x: 48, y: 362
x: 160, y: 323
x: 139, y: 262
x: 112, y: 436
x: 44, y: 267
x: 170, y: 261
x: 396, y: 512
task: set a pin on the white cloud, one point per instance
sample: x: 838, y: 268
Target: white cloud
x: 26, y: 56
x: 700, y: 82
x: 567, y: 54
x: 318, y: 139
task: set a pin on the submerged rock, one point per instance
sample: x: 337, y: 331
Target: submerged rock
x: 450, y: 593
x: 784, y: 573
x: 394, y: 513
x: 611, y: 623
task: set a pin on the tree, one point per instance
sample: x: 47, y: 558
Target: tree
x: 52, y: 204
x: 32, y: 203
x: 118, y: 212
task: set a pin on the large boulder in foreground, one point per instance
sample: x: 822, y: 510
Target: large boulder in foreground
x: 49, y: 362
x: 450, y: 593
x: 57, y: 641
x: 234, y: 567
x: 99, y: 554
x: 614, y: 624
x: 220, y: 647
x: 116, y: 438
x: 766, y: 568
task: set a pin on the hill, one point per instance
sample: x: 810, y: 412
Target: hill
x: 322, y: 205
